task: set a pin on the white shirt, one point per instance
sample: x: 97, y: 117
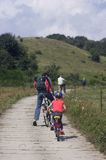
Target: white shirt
x: 61, y: 80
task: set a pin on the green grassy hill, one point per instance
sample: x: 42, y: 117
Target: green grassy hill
x: 70, y: 58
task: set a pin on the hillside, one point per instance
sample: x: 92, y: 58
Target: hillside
x: 70, y: 58
x: 94, y: 47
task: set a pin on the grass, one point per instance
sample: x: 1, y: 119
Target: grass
x: 9, y: 95
x: 83, y: 109
x: 92, y: 95
x: 70, y: 58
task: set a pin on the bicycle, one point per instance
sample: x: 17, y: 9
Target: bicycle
x: 57, y: 126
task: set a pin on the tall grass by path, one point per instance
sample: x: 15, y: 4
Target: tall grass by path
x: 83, y: 109
x: 9, y: 95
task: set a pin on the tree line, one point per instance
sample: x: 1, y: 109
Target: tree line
x: 96, y: 48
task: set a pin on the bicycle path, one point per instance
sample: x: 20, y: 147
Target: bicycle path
x: 19, y: 140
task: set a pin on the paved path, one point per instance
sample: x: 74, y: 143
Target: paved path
x: 19, y: 140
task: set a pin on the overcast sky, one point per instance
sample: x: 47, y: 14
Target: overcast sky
x: 44, y: 17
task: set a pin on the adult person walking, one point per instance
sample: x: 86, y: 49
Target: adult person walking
x: 44, y: 89
x: 83, y: 82
x: 62, y: 84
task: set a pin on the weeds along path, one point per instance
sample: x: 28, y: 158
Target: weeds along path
x: 19, y: 140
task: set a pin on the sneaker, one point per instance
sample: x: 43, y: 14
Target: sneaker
x: 51, y: 128
x: 62, y: 132
x: 34, y: 123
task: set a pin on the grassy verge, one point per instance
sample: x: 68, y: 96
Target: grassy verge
x: 83, y: 109
x: 9, y: 95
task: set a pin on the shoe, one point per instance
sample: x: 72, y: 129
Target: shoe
x: 51, y: 128
x: 34, y: 123
x: 62, y: 132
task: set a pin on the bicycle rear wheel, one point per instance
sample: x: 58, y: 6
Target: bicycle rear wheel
x: 57, y: 133
x: 46, y: 121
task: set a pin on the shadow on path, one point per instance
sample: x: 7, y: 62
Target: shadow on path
x: 65, y: 124
x: 63, y: 138
x: 42, y: 125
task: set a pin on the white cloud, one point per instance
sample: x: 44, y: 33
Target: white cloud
x: 43, y: 17
x: 7, y: 9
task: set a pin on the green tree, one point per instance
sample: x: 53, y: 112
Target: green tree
x: 6, y: 60
x: 53, y: 71
x: 73, y: 78
x: 14, y: 55
x: 80, y: 41
x: 10, y: 44
x: 95, y: 57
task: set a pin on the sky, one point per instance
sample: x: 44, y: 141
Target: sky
x: 34, y: 18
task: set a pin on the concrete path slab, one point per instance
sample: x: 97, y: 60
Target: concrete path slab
x: 19, y: 140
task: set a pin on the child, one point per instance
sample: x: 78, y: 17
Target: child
x: 58, y: 107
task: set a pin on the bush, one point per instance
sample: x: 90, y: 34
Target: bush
x: 14, y: 55
x: 15, y: 63
x: 13, y: 78
x: 74, y: 78
x: 6, y: 60
x: 53, y: 71
x: 96, y: 58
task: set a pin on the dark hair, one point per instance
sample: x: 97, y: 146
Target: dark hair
x: 45, y: 74
x: 35, y: 78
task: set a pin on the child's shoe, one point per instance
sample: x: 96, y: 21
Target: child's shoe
x: 51, y: 128
x: 62, y: 132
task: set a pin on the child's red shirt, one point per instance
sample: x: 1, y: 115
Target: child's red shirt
x: 58, y: 105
